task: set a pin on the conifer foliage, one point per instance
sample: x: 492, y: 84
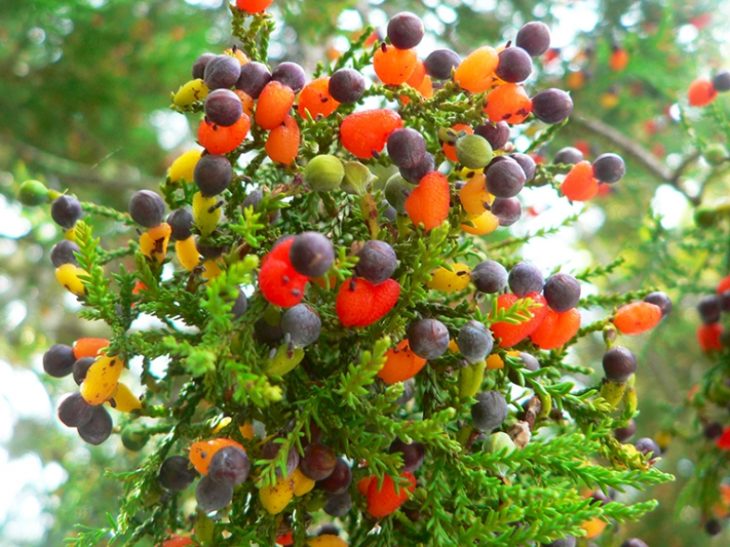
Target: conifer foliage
x: 351, y: 335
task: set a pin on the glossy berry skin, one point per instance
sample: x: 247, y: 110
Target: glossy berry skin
x: 511, y: 334
x: 428, y: 204
x: 475, y: 341
x: 254, y: 77
x: 609, y: 168
x: 360, y: 303
x: 315, y: 100
x: 473, y: 195
x: 59, y: 360
x: 318, y: 462
x: 507, y: 210
x: 222, y: 71
x: 181, y: 223
x: 364, y: 133
x: 324, y: 173
x: 279, y: 283
x: 98, y: 428
x: 534, y: 38
x: 413, y: 454
x: 580, y: 184
x: 394, y: 66
x: 311, y: 254
x: 637, y: 317
x: 568, y: 155
x: 302, y: 324
x: 63, y: 252
x: 514, y: 65
x: 525, y: 278
x: 400, y: 364
x: 65, y: 211
x: 562, y: 292
x: 213, y: 495
x: 428, y: 338
x: 89, y: 347
x: 440, y: 63
x: 346, y: 85
x: 74, y: 411
x: 710, y: 308
x: 406, y: 147
x: 386, y: 499
x: 376, y: 261
x: 405, y: 30
x: 200, y: 63
x: 648, y: 446
x: 701, y: 92
x: 505, y: 178
x: 274, y: 105
x: 721, y: 81
x: 282, y: 144
x: 147, y: 208
x: 489, y: 411
x: 508, y: 103
x: 527, y: 163
x: 223, y: 107
x: 497, y: 134
x: 291, y: 75
x: 618, y: 364
x: 473, y: 151
x: 661, y: 299
x: 489, y: 277
x: 217, y: 139
x: 80, y: 368
x: 230, y: 464
x: 552, y: 105
x: 253, y: 6
x: 339, y: 480
x: 421, y: 169
x: 176, y: 474
x: 476, y: 72
x: 556, y: 329
x: 213, y: 174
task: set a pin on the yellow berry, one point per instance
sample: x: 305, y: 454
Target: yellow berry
x: 189, y: 92
x: 451, y: 279
x: 102, y: 379
x: 481, y: 225
x: 211, y: 269
x: 593, y: 527
x: 124, y: 400
x: 187, y: 253
x: 495, y: 361
x: 302, y: 483
x: 184, y: 166
x: 327, y: 540
x: 68, y: 276
x: 474, y: 196
x: 153, y: 242
x: 276, y: 497
x: 205, y: 213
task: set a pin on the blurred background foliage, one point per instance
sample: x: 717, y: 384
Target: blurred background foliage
x: 85, y: 90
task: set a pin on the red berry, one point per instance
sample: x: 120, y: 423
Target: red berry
x: 316, y: 99
x: 556, y: 328
x: 365, y: 133
x: 360, y: 303
x: 510, y: 334
x: 217, y: 139
x: 637, y: 317
x: 282, y: 145
x: 708, y: 337
x: 701, y: 92
x: 253, y: 6
x: 385, y: 500
x: 723, y: 441
x: 428, y: 203
x: 580, y: 184
x: 279, y: 282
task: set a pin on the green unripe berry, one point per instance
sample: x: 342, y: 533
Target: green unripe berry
x: 358, y: 178
x: 473, y: 151
x: 397, y: 190
x: 32, y: 193
x: 324, y: 173
x: 134, y: 437
x: 705, y: 217
x: 715, y: 154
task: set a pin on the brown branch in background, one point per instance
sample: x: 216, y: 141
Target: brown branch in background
x: 650, y: 162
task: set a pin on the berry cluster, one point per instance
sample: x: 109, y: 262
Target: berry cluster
x: 702, y: 91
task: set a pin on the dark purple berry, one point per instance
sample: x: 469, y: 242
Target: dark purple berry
x: 223, y: 107
x: 80, y: 368
x: 147, y: 208
x: 534, y: 38
x: 405, y: 30
x: 440, y: 63
x: 176, y: 473
x: 413, y: 454
x: 266, y: 333
x: 713, y: 527
x: 505, y: 178
x: 496, y: 134
x: 338, y: 505
x: 712, y: 430
x: 568, y: 156
x: 240, y: 305
x: 376, y: 261
x: 65, y: 211
x: 647, y: 446
x: 529, y: 361
x: 339, y: 480
x: 527, y: 164
x: 63, y: 253
x: 406, y: 147
x: 562, y: 292
x: 514, y: 65
x: 302, y: 324
x: 552, y: 105
x: 74, y: 411
x: 222, y: 71
x: 200, y: 64
x: 213, y: 495
x: 291, y: 75
x: 254, y: 77
x: 59, y: 360
x: 181, y: 223
x: 312, y: 254
x: 568, y: 541
x: 318, y: 462
x: 489, y: 276
x: 623, y: 434
x: 660, y: 299
x: 609, y: 168
x: 428, y: 338
x: 475, y: 341
x: 709, y: 308
x: 230, y: 464
x: 507, y: 210
x: 347, y: 85
x: 98, y: 428
x: 270, y: 451
x: 416, y: 173
x: 721, y: 81
x: 618, y: 364
x: 489, y: 411
x: 213, y: 174
x: 525, y: 278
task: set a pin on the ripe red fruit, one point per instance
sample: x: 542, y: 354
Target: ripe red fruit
x: 282, y: 145
x: 385, y: 500
x: 253, y: 6
x: 428, y: 203
x: 510, y: 334
x: 708, y: 337
x: 400, y: 364
x: 723, y: 285
x: 274, y: 104
x: 701, y: 92
x: 556, y: 328
x: 315, y: 99
x: 360, y: 303
x: 580, y: 184
x: 365, y: 133
x: 394, y: 66
x: 217, y: 139
x: 723, y: 441
x: 637, y: 317
x: 279, y: 282
x: 508, y: 103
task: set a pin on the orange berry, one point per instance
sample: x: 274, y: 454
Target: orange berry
x: 428, y: 203
x: 575, y: 80
x: 474, y: 196
x: 315, y: 99
x: 89, y: 347
x: 217, y: 139
x: 508, y: 103
x: 510, y: 334
x: 637, y: 317
x: 476, y: 71
x: 365, y: 133
x: 593, y: 527
x: 153, y: 242
x: 400, y: 364
x: 385, y: 500
x: 708, y: 337
x: 247, y: 101
x: 723, y: 285
x: 556, y: 328
x: 274, y: 104
x: 282, y: 145
x: 480, y: 225
x: 495, y: 362
x: 363, y: 485
x: 394, y: 66
x: 201, y: 452
x: 418, y: 75
x: 253, y: 6
x: 701, y: 92
x: 619, y: 59
x: 450, y: 149
x: 580, y: 184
